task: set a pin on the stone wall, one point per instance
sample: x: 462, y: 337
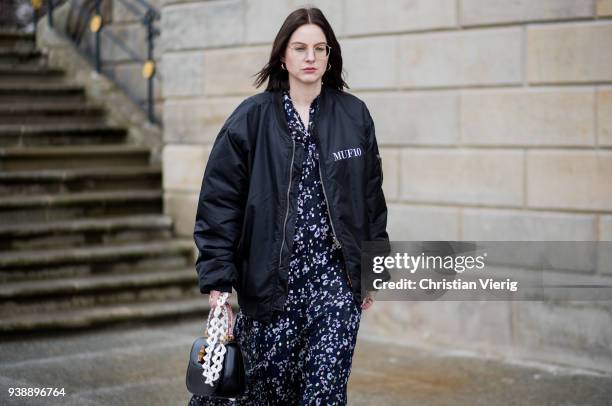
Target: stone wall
x: 494, y: 119
x: 121, y: 25
x: 120, y: 64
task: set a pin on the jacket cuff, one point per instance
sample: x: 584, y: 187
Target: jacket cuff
x: 222, y: 288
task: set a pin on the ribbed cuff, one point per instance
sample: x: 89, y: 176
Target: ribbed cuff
x: 227, y: 288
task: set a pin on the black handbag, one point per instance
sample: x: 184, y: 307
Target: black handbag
x: 232, y: 378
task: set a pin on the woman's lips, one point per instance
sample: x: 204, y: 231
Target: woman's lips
x: 309, y: 70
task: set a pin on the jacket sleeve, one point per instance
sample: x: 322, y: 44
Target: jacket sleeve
x: 220, y: 212
x: 375, y: 197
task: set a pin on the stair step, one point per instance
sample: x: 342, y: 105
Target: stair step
x: 42, y: 208
x: 65, y: 294
x: 50, y: 92
x: 17, y: 54
x: 20, y: 50
x: 60, y: 134
x: 95, y: 283
x: 51, y: 175
x: 30, y: 74
x: 11, y: 38
x: 102, y: 253
x: 50, y: 106
x: 104, y: 315
x: 80, y: 180
x: 49, y: 113
x: 63, y: 157
x: 31, y: 70
x: 37, y: 107
x: 57, y: 128
x: 82, y: 225
x: 41, y: 88
x: 84, y: 232
x: 77, y: 198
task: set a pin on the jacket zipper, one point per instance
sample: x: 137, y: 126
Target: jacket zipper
x: 280, y: 254
x: 331, y: 220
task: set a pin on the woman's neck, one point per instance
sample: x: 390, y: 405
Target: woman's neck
x: 303, y: 94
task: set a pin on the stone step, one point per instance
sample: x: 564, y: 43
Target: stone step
x: 64, y: 157
x: 39, y: 92
x: 107, y: 259
x: 64, y: 294
x: 22, y: 48
x: 18, y: 55
x: 105, y: 315
x: 142, y: 264
x: 31, y: 70
x: 12, y: 135
x: 53, y: 207
x: 50, y: 113
x: 14, y: 38
x: 80, y: 180
x: 84, y: 232
x: 26, y: 74
x: 34, y: 260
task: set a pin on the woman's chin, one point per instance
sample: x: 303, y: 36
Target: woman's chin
x: 309, y: 78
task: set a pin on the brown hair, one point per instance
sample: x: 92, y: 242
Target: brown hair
x: 278, y: 78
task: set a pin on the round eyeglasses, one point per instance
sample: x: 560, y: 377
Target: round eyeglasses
x: 320, y: 50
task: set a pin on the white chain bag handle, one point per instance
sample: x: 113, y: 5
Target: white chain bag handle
x: 217, y: 328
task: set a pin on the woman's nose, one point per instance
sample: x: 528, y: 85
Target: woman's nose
x: 310, y: 55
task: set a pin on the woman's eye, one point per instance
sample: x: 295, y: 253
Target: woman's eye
x: 299, y: 48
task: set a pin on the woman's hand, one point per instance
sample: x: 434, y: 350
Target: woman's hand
x: 368, y: 300
x: 213, y: 296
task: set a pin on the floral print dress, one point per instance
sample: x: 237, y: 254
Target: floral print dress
x: 304, y: 355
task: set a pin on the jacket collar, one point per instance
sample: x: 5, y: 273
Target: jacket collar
x: 324, y: 97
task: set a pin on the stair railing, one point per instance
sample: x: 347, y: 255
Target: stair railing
x: 93, y: 18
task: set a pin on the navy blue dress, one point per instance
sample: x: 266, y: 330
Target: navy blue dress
x: 304, y: 355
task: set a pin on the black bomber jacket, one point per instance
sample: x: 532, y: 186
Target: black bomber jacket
x: 246, y: 212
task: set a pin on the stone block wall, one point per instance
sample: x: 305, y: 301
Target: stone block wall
x: 494, y: 119
x: 119, y: 63
x: 123, y: 44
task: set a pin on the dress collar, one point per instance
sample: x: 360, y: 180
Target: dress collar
x: 314, y: 102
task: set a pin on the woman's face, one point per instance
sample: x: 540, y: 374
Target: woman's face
x: 306, y: 49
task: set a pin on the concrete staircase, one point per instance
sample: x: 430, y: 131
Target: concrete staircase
x: 83, y: 239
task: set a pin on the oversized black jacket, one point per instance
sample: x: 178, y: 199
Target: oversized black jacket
x: 245, y: 220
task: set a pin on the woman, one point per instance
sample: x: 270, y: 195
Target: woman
x: 292, y: 187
